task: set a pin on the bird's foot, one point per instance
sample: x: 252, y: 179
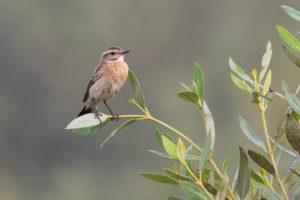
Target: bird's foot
x: 98, y: 115
x: 114, y: 117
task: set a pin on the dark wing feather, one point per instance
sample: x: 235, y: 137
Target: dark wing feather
x: 96, y: 75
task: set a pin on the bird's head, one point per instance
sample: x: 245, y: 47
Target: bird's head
x: 113, y: 54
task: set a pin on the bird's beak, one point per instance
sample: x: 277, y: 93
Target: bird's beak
x: 124, y: 52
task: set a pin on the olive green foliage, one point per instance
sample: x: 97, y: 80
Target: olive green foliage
x: 194, y: 171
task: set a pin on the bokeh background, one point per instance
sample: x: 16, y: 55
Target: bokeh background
x: 48, y: 50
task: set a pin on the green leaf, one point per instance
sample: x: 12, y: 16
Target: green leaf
x: 163, y: 155
x: 295, y: 14
x: 176, y: 198
x: 87, y: 120
x: 283, y: 149
x: 250, y: 134
x: 191, y: 191
x: 205, y: 152
x: 158, y: 135
x: 198, y: 80
x: 277, y: 156
x: 90, y: 130
x: 117, y: 130
x: 209, y: 124
x: 267, y: 83
x: 265, y: 61
x: 186, y: 87
x: 181, y: 150
x: 295, y: 59
x: 243, y: 181
x: 261, y: 161
x: 160, y: 178
x: 188, y: 96
x: 256, y: 177
x: 170, y: 147
x: 288, y: 38
x: 206, y: 173
x: 293, y: 132
x: 178, y: 176
x: 268, y: 194
x: 239, y: 71
x: 281, y: 129
x: 234, y: 181
x: 241, y: 84
x: 137, y: 89
x: 292, y: 99
x: 226, y: 163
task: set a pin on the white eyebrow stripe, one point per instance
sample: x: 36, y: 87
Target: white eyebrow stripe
x: 108, y: 52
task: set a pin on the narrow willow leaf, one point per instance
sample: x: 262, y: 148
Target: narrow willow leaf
x: 178, y: 176
x: 277, y: 156
x: 188, y: 96
x: 206, y: 173
x: 222, y: 191
x: 189, y: 158
x: 250, y: 134
x: 163, y: 155
x: 137, y: 89
x: 198, y: 80
x: 268, y: 194
x: 293, y: 132
x: 158, y: 135
x: 241, y: 84
x: 191, y: 191
x: 283, y: 149
x: 256, y: 177
x: 265, y: 61
x: 186, y: 87
x: 295, y: 59
x: 117, y: 130
x: 226, y: 163
x: 170, y: 147
x: 87, y: 120
x: 288, y: 38
x: 181, y: 150
x: 234, y: 181
x: 176, y: 198
x: 239, y: 71
x: 267, y: 83
x: 243, y: 180
x: 210, y: 188
x: 90, y: 130
x: 205, y: 153
x: 261, y: 161
x: 160, y: 178
x: 297, y: 194
x: 209, y: 124
x: 297, y: 90
x: 281, y: 129
x: 295, y: 14
x: 292, y: 99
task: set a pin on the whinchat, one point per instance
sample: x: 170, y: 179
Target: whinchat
x: 107, y: 80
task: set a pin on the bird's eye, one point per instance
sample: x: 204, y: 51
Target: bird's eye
x: 112, y: 53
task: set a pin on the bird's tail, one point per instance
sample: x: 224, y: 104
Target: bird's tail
x: 84, y: 110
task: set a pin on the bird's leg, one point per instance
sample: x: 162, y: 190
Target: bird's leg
x: 114, y: 116
x: 97, y: 114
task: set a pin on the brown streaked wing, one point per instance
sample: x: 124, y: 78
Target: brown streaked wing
x: 96, y: 75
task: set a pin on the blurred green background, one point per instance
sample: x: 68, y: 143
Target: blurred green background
x: 48, y: 50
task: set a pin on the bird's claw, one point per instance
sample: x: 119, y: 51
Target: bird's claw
x: 114, y: 117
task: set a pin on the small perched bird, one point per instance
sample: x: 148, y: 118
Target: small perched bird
x: 107, y: 79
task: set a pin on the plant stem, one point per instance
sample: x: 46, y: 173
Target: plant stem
x: 197, y: 181
x: 175, y: 131
x: 271, y: 154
